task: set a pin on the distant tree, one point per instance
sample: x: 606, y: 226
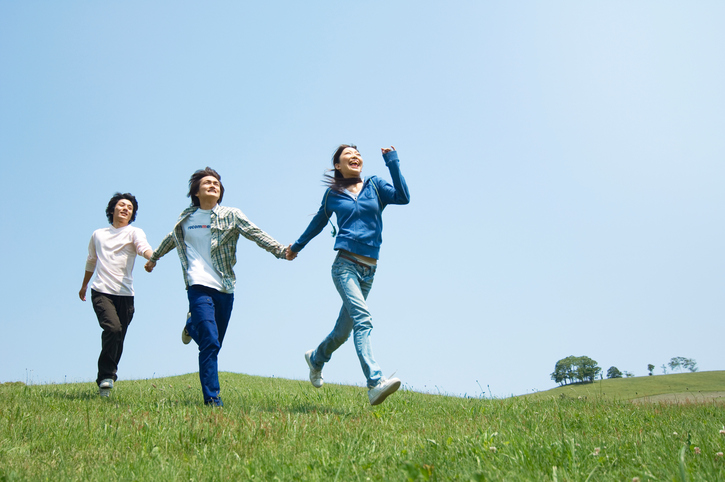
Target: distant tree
x: 628, y: 374
x: 664, y: 369
x: 681, y: 363
x: 650, y: 367
x: 564, y: 370
x: 614, y: 372
x: 575, y: 368
x: 587, y: 369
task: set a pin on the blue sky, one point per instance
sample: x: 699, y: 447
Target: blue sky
x: 565, y: 163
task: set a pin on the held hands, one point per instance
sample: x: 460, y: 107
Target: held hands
x: 149, y: 266
x: 385, y: 150
x: 289, y: 254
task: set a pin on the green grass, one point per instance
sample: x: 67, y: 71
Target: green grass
x: 692, y: 384
x: 275, y: 429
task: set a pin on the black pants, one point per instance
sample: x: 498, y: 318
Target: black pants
x: 114, y: 315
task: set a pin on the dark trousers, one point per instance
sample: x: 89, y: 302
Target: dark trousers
x: 210, y: 312
x: 114, y: 315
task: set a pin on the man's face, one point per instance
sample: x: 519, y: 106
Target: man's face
x: 122, y: 213
x: 209, y: 190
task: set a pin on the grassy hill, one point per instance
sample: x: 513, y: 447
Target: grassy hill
x: 690, y: 386
x: 274, y: 429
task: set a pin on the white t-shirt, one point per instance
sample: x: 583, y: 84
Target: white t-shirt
x: 197, y: 237
x: 112, y: 254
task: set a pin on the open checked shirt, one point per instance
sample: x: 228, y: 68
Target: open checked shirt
x: 226, y: 226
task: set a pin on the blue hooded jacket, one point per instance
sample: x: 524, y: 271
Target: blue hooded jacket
x: 360, y: 220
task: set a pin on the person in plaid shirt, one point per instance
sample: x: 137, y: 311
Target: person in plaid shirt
x: 205, y: 238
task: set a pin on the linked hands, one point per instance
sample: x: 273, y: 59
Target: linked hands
x: 289, y: 254
x: 149, y: 266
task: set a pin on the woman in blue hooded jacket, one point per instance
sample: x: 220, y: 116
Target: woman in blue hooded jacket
x: 358, y: 206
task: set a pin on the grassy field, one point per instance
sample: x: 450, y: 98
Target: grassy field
x: 684, y: 385
x: 274, y: 429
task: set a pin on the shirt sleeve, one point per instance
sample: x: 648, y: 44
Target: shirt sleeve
x: 140, y: 242
x: 167, y: 244
x: 250, y: 231
x: 315, y: 227
x: 92, y: 256
x: 398, y: 192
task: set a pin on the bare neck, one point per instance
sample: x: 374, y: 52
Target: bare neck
x: 206, y: 205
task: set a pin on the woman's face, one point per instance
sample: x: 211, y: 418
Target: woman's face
x: 350, y: 163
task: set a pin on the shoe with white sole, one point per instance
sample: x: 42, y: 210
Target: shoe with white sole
x: 382, y: 390
x: 315, y: 374
x: 104, y: 388
x: 185, y: 337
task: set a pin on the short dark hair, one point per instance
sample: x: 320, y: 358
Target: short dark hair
x: 195, y: 182
x: 114, y: 200
x: 337, y: 181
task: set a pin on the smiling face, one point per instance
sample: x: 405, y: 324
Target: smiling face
x: 209, y: 191
x: 122, y: 213
x: 350, y: 163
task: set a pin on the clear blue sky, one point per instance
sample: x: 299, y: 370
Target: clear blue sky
x: 565, y: 162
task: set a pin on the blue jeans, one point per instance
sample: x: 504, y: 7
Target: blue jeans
x: 210, y: 312
x: 353, y: 281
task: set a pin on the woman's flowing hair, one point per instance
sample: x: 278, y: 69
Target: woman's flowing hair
x: 336, y: 181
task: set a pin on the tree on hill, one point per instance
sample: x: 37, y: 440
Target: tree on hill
x: 650, y: 367
x: 575, y: 369
x: 614, y: 372
x: 680, y: 363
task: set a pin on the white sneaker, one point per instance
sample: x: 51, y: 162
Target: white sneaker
x: 185, y: 337
x: 106, y: 383
x: 315, y: 374
x: 380, y: 392
x: 104, y: 392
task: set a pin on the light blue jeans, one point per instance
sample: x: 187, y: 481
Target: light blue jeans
x: 353, y: 281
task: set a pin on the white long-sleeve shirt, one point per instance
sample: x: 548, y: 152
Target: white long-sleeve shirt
x: 112, y: 254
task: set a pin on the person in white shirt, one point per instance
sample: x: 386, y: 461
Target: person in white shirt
x: 111, y: 255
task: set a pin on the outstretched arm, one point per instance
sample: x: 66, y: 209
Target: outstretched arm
x: 250, y: 231
x: 318, y: 223
x: 166, y: 245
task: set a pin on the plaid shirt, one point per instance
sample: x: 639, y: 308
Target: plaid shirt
x: 226, y: 226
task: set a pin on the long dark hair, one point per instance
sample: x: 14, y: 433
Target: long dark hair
x: 195, y: 182
x: 337, y: 181
x: 114, y: 200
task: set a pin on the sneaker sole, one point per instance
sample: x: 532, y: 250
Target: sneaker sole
x: 185, y: 337
x: 385, y: 394
x: 309, y: 364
